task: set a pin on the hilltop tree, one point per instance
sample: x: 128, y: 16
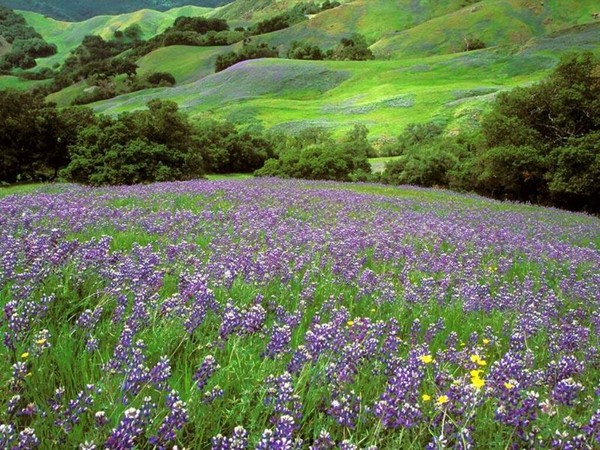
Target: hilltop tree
x: 354, y: 48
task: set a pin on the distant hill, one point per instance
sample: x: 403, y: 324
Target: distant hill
x: 76, y: 10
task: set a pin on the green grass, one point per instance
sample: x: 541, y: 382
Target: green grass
x: 13, y: 82
x: 384, y: 95
x: 421, y: 80
x: 129, y: 217
x: 229, y: 176
x: 185, y: 63
x: 68, y: 35
x: 378, y: 164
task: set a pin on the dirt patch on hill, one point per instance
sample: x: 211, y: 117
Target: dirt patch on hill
x: 4, y: 46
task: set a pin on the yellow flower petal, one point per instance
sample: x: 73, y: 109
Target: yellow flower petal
x: 442, y: 399
x: 426, y: 397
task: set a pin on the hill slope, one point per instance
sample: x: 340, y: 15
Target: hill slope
x: 422, y: 73
x: 68, y: 35
x: 76, y: 10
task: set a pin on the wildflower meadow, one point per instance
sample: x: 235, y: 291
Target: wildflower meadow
x: 267, y: 314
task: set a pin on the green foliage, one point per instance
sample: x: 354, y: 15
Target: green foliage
x: 34, y: 136
x: 248, y: 51
x: 415, y: 135
x: 428, y: 166
x: 161, y: 79
x: 227, y: 150
x: 574, y: 175
x: 564, y: 106
x: 139, y: 147
x: 305, y: 50
x: 27, y: 44
x: 314, y: 155
x: 354, y: 48
x: 538, y: 144
x: 515, y: 173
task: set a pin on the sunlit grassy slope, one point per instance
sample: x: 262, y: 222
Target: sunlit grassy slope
x: 384, y: 95
x: 68, y: 35
x: 421, y: 73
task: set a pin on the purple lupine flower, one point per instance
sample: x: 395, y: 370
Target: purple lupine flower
x: 398, y: 406
x: 237, y: 441
x: 280, y: 395
x: 160, y: 373
x: 210, y: 396
x: 253, y: 320
x: 207, y: 369
x: 592, y: 428
x: 281, y: 438
x: 175, y: 421
x: 519, y: 412
x: 127, y: 433
x: 323, y: 442
x: 231, y: 320
x: 280, y: 341
x: 565, y: 392
x: 344, y: 408
x: 347, y: 445
x: 7, y: 435
x: 27, y: 440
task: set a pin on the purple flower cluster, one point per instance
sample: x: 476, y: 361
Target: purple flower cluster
x: 341, y: 314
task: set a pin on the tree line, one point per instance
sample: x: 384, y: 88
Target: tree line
x: 538, y: 144
x: 26, y: 44
x: 39, y: 142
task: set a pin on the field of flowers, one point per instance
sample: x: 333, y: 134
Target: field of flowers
x: 265, y: 314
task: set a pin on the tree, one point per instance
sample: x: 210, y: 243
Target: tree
x: 306, y: 51
x: 144, y: 146
x: 354, y: 48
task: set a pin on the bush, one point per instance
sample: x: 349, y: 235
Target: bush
x: 473, y: 43
x: 161, y: 79
x: 305, y: 51
x: 354, y: 48
x: 248, y: 51
x: 316, y: 156
x: 574, y: 173
x: 139, y: 147
x: 423, y: 167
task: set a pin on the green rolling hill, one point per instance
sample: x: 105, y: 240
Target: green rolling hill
x: 421, y: 72
x: 68, y: 35
x: 72, y: 10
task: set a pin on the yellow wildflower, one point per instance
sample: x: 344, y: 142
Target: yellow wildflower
x: 442, y: 400
x: 477, y: 382
x: 475, y: 373
x: 486, y: 341
x: 40, y: 341
x: 350, y: 323
x: 478, y: 360
x: 426, y: 397
x: 509, y: 385
x: 426, y: 359
x: 25, y: 355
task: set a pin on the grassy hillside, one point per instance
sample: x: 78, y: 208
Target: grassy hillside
x: 384, y: 95
x: 77, y: 10
x: 421, y: 73
x: 192, y: 63
x: 68, y: 35
x: 495, y: 23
